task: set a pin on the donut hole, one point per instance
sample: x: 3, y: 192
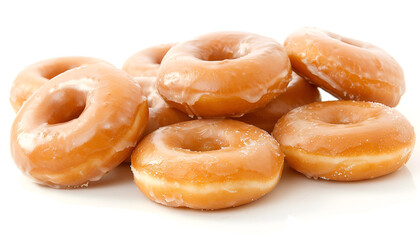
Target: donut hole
x: 220, y: 56
x: 342, y: 117
x: 352, y: 42
x: 343, y: 120
x: 347, y: 40
x: 202, y: 144
x: 158, y: 59
x: 64, y: 105
x: 222, y: 52
x: 52, y: 72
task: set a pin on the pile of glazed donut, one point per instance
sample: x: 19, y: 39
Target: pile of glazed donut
x: 195, y: 117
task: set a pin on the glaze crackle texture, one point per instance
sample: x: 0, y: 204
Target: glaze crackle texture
x: 345, y: 140
x: 78, y: 126
x: 207, y: 164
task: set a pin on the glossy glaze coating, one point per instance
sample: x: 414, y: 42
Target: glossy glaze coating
x: 299, y: 92
x: 37, y: 74
x: 78, y: 126
x: 160, y: 113
x: 146, y: 62
x: 223, y: 74
x: 207, y: 164
x: 348, y: 69
x: 345, y: 140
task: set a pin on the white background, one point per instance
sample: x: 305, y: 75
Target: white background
x: 387, y: 207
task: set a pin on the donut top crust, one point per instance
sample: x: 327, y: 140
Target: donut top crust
x: 206, y: 151
x: 346, y: 68
x: 344, y: 128
x: 146, y: 62
x: 252, y: 58
x: 46, y: 131
x: 35, y: 75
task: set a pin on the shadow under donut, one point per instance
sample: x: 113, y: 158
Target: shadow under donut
x: 294, y: 197
x: 302, y: 198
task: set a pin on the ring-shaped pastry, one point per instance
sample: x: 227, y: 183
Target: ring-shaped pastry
x: 223, y: 74
x: 78, y: 126
x: 345, y: 140
x: 207, y: 164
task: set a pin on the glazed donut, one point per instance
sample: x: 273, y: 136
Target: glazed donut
x: 223, y: 74
x: 348, y: 69
x: 78, y: 126
x: 207, y: 164
x: 160, y: 113
x: 146, y: 62
x: 37, y: 74
x: 299, y: 92
x: 345, y: 140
